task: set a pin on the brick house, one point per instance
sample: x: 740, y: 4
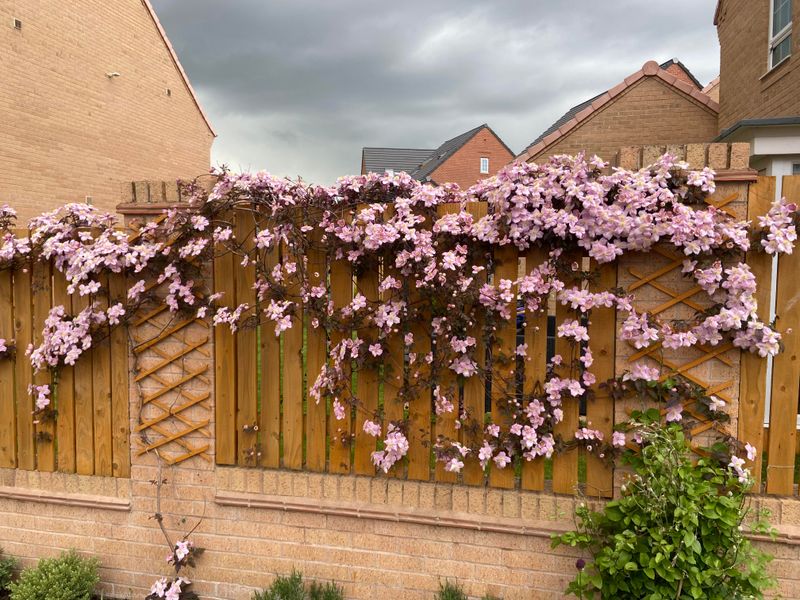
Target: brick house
x: 658, y: 104
x: 93, y: 94
x: 759, y: 81
x: 464, y: 159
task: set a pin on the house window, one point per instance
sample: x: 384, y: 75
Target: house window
x: 796, y: 168
x: 484, y: 166
x: 780, y: 41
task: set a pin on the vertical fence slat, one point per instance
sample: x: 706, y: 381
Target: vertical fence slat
x: 101, y: 393
x: 446, y: 421
x: 246, y: 349
x: 600, y: 409
x: 293, y: 386
x: 120, y: 407
x: 393, y: 374
x: 474, y: 387
x: 225, y: 364
x: 46, y: 428
x: 84, y: 409
x: 786, y: 370
x: 535, y: 368
x: 419, y: 407
x: 565, y: 464
x: 8, y: 419
x: 368, y: 385
x: 339, y: 430
x: 270, y: 417
x: 506, y: 266
x: 26, y: 455
x: 448, y: 386
x: 316, y: 352
x: 65, y: 394
x: 753, y: 377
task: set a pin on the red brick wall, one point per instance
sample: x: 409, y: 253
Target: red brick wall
x: 678, y: 72
x: 747, y: 91
x: 68, y: 130
x: 464, y: 166
x: 649, y: 112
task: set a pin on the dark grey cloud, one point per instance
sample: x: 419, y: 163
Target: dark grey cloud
x: 297, y: 87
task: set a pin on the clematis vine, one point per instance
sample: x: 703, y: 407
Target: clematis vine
x: 437, y: 312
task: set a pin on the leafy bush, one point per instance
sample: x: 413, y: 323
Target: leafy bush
x: 7, y: 567
x: 450, y: 591
x: 453, y: 591
x: 675, y: 532
x: 68, y: 577
x: 293, y: 588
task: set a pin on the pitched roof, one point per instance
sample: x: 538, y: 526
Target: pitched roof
x: 380, y: 160
x: 580, y: 112
x: 448, y: 149
x: 443, y: 152
x: 675, y: 62
x: 177, y: 64
x: 418, y: 163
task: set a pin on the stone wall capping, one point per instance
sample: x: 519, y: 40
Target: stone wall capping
x: 382, y: 512
x: 65, y: 498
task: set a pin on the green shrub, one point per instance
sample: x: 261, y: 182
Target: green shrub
x: 293, y: 588
x: 7, y: 567
x: 676, y: 532
x: 328, y: 591
x: 68, y: 577
x: 450, y: 591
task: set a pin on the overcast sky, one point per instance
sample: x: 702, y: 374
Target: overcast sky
x: 297, y: 87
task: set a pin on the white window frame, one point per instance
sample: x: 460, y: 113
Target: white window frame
x: 796, y: 171
x: 776, y: 39
x: 484, y: 170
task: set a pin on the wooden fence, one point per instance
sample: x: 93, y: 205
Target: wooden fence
x: 91, y: 432
x: 265, y: 418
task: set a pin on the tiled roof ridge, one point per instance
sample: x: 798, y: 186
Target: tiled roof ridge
x: 649, y: 69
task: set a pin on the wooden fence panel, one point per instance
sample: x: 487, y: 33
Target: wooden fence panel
x: 565, y: 464
x: 506, y: 266
x: 8, y: 412
x: 45, y: 427
x: 65, y: 391
x: 339, y: 430
x: 474, y: 387
x: 316, y: 354
x: 225, y: 364
x: 26, y: 452
x: 246, y: 348
x: 270, y: 416
x: 292, y: 423
x: 419, y: 407
x: 120, y: 406
x: 448, y: 387
x: 84, y: 403
x: 101, y: 394
x: 368, y: 388
x: 393, y: 376
x: 600, y: 409
x: 535, y: 366
x: 753, y: 376
x: 786, y: 370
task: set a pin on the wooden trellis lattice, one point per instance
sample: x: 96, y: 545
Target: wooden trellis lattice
x: 166, y: 421
x: 171, y: 413
x: 703, y: 360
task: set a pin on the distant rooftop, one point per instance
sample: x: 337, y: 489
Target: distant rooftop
x: 380, y: 160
